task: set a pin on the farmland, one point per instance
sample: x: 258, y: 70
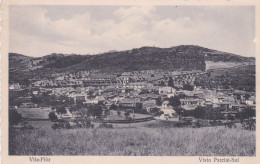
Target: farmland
x: 133, y: 140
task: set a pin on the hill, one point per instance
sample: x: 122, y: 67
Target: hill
x: 185, y: 57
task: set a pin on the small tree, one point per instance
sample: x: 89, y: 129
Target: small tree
x: 199, y: 112
x: 180, y: 111
x: 175, y: 101
x: 230, y: 117
x: 118, y: 113
x: 159, y: 101
x: 170, y: 82
x: 113, y: 107
x: 127, y: 115
x: 52, y: 116
x: 247, y: 96
x: 138, y: 108
x: 14, y: 117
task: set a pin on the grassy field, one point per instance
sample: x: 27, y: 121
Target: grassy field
x: 140, y: 141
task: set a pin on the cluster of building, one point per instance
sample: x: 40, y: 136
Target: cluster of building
x: 130, y: 89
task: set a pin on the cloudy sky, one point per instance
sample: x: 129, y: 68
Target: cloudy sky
x: 42, y: 30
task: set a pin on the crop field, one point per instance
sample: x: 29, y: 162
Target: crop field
x: 132, y: 140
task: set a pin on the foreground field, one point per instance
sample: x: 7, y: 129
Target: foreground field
x: 141, y: 141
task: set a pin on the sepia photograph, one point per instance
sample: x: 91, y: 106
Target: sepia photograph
x: 131, y: 80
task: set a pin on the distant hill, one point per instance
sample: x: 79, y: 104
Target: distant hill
x: 185, y: 57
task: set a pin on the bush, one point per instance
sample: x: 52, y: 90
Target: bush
x: 52, y: 116
x: 14, y: 117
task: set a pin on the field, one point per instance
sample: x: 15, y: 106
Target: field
x: 132, y: 140
x: 217, y: 65
x: 34, y: 112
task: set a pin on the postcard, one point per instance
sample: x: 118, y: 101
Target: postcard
x: 110, y: 81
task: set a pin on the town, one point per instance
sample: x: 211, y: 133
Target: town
x: 165, y: 95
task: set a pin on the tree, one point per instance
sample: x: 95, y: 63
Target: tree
x: 61, y: 110
x: 230, y: 117
x: 113, y: 107
x: 246, y: 113
x: 213, y: 113
x: 159, y: 101
x: 199, y: 112
x: 155, y: 111
x: 180, y: 111
x: 36, y: 100
x: 174, y: 101
x: 74, y: 108
x: 247, y: 96
x: 95, y: 110
x: 118, y: 113
x: 188, y: 87
x: 52, y: 116
x: 162, y: 83
x: 127, y: 115
x: 14, y: 117
x: 170, y: 82
x: 138, y: 108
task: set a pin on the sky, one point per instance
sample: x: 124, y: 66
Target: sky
x: 42, y: 30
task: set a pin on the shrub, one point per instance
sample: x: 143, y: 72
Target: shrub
x: 14, y: 117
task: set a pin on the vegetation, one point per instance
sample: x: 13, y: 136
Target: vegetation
x: 242, y: 78
x: 52, y: 116
x: 212, y: 141
x: 188, y: 87
x: 14, y: 117
x: 175, y: 101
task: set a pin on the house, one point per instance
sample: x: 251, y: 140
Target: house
x: 28, y: 105
x: 94, y: 100
x: 136, y: 85
x: 191, y: 101
x: 79, y: 98
x: 35, y: 92
x: 237, y: 107
x: 14, y: 86
x: 148, y: 105
x: 224, y: 105
x: 166, y: 90
x: 129, y: 102
x: 149, y: 89
x: 251, y: 101
x: 91, y: 101
x: 170, y: 95
x: 167, y: 109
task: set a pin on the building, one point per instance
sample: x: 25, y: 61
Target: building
x: 167, y: 109
x: 15, y: 86
x: 166, y: 90
x: 251, y: 101
x: 129, y: 102
x: 148, y: 105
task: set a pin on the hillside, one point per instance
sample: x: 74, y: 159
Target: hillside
x: 185, y: 57
x: 213, y: 55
